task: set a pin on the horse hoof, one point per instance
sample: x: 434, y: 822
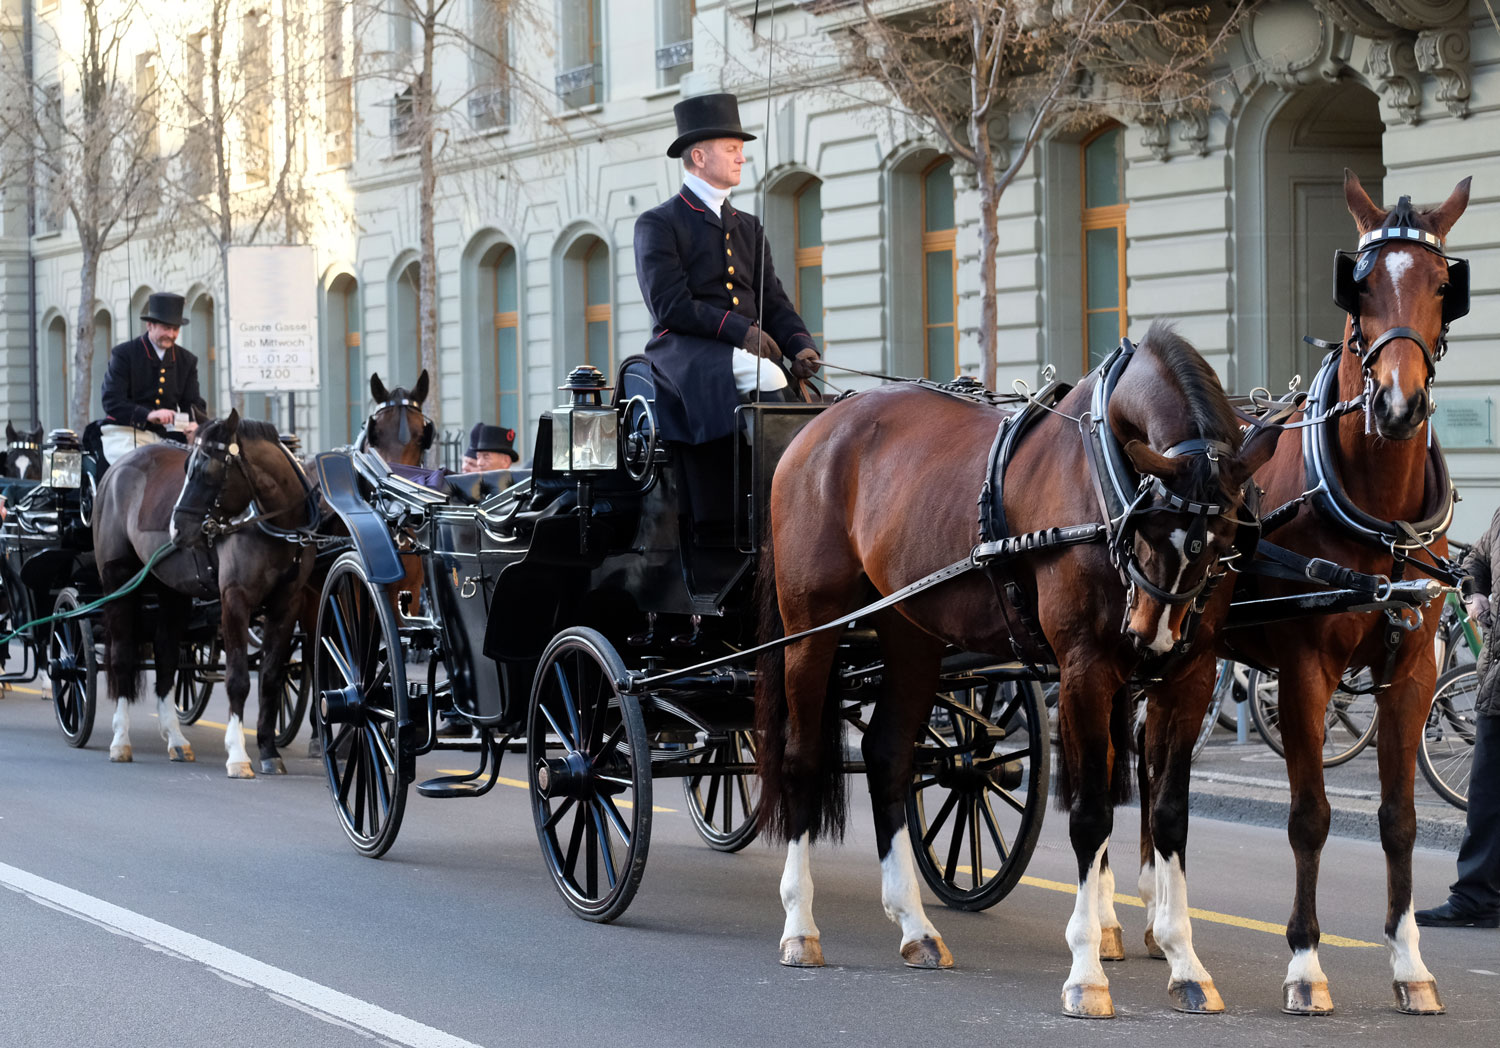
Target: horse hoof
x: 927, y: 952
x: 1195, y: 998
x: 180, y: 753
x: 272, y: 766
x: 1307, y: 998
x: 1153, y: 948
x: 1112, y: 944
x: 1088, y: 1002
x: 241, y: 770
x: 1418, y: 998
x: 315, y: 747
x: 802, y: 951
x: 120, y: 755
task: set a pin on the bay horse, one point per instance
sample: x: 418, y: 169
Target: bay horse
x: 1377, y: 473
x: 164, y: 491
x: 879, y: 491
x: 23, y: 454
x: 398, y: 430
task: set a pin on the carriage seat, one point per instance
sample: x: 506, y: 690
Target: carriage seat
x: 470, y: 489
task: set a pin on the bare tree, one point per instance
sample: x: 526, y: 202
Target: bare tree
x: 990, y: 77
x: 85, y: 130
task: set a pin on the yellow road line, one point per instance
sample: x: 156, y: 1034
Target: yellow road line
x: 1210, y: 916
x: 502, y: 780
x: 29, y: 691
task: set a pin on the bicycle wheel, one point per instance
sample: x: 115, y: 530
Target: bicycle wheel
x: 1446, y: 756
x: 1349, y: 722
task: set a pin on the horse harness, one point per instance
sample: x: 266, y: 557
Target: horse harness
x: 217, y: 526
x: 403, y: 435
x: 1123, y: 499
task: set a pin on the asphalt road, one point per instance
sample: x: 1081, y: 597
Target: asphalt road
x: 155, y: 904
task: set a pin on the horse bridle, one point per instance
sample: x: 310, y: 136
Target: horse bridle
x: 215, y: 524
x: 403, y: 435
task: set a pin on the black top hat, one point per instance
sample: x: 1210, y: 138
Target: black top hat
x: 164, y: 308
x: 492, y: 438
x: 707, y: 116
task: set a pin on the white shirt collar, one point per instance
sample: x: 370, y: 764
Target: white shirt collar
x: 710, y: 195
x: 160, y: 353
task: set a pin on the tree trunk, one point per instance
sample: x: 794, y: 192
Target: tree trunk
x: 427, y: 275
x: 989, y: 245
x: 83, y: 353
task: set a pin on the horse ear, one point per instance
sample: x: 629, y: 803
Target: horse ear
x: 377, y: 389
x: 232, y: 423
x: 1147, y: 460
x: 419, y: 391
x: 10, y: 432
x: 1255, y: 452
x: 1445, y: 214
x: 1366, y: 215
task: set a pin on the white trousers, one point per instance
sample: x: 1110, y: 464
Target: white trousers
x: 118, y: 440
x: 746, y: 365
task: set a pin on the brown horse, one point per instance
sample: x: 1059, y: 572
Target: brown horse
x: 163, y: 491
x: 1400, y: 295
x: 878, y: 492
x: 397, y: 430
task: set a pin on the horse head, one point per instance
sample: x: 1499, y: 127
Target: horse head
x: 1400, y: 291
x: 210, y: 488
x: 398, y: 430
x: 1183, y: 440
x: 23, y: 453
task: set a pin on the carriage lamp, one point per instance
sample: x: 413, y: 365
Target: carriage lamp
x: 586, y: 432
x: 62, y: 459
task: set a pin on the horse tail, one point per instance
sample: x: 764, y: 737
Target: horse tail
x: 1121, y: 743
x: 819, y: 806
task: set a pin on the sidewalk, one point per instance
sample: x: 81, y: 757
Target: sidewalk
x: 1247, y: 783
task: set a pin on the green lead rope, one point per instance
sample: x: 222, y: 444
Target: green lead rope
x: 92, y: 606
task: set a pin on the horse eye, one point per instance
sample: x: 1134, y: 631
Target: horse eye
x: 1443, y: 288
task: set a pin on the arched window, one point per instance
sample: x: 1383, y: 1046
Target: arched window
x: 104, y: 340
x: 55, y: 409
x: 598, y: 340
x: 1104, y: 312
x: 808, y: 219
x: 939, y: 272
x: 404, y: 354
x: 501, y: 363
x: 347, y: 378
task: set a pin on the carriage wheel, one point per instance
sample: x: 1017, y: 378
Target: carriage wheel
x: 1349, y: 723
x: 200, y: 671
x: 725, y: 807
x: 296, y: 686
x: 73, y: 669
x: 976, y: 805
x: 590, y: 770
x: 363, y: 724
x: 1446, y: 756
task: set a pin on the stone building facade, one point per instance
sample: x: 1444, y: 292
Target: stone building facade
x: 1225, y: 223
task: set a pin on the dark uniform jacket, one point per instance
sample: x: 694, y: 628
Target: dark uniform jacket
x: 698, y: 274
x: 1481, y: 562
x: 137, y: 383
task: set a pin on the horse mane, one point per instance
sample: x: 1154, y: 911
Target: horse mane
x: 1208, y: 407
x: 248, y: 429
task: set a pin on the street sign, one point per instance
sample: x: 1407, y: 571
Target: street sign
x: 1464, y: 422
x: 273, y: 319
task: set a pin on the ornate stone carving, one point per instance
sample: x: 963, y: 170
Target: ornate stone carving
x: 1381, y: 18
x: 1156, y: 135
x: 1393, y: 64
x: 1292, y: 45
x: 1193, y: 130
x: 1444, y: 53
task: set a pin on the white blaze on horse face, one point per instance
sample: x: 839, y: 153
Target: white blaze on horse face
x: 1406, y: 959
x: 797, y: 891
x: 1173, y: 929
x: 1164, y: 639
x: 1083, y: 930
x: 899, y: 891
x: 1396, y: 265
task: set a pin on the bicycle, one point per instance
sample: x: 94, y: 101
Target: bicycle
x: 1349, y: 723
x: 1446, y: 756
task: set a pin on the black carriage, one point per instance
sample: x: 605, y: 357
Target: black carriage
x: 48, y: 580
x: 577, y: 613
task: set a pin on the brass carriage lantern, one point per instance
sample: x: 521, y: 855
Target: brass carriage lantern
x: 585, y: 433
x: 62, y: 459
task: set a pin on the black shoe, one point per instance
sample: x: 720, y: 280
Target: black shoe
x: 1445, y: 916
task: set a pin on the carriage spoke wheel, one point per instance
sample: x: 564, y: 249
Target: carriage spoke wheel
x: 1349, y: 722
x: 73, y: 670
x: 1446, y: 756
x: 725, y: 806
x: 296, y: 686
x: 976, y: 804
x: 200, y: 671
x: 590, y: 770
x: 363, y: 723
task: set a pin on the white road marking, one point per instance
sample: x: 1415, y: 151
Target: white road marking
x: 321, y: 1000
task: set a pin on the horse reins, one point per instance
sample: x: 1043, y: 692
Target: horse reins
x: 216, y: 527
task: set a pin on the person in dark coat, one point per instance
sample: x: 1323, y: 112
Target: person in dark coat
x: 490, y: 447
x: 701, y: 264
x: 150, y: 379
x: 1474, y: 899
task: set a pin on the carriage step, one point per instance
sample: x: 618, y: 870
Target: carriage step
x: 456, y: 786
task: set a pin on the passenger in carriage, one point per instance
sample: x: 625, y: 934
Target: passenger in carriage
x: 490, y: 447
x: 701, y: 264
